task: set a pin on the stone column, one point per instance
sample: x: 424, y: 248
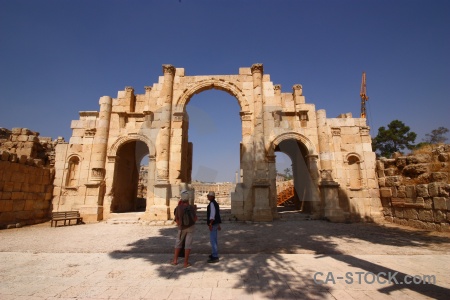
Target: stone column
x: 160, y: 209
x: 92, y: 210
x: 166, y: 118
x: 328, y: 187
x: 261, y: 186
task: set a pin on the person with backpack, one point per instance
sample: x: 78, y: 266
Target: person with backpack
x: 185, y: 217
x: 213, y: 221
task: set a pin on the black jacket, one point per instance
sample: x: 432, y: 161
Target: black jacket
x: 217, y: 219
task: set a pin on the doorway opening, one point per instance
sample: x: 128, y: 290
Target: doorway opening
x: 129, y: 179
x: 295, y: 188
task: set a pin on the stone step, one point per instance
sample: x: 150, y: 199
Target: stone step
x: 125, y: 218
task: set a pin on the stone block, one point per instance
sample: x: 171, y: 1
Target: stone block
x: 415, y: 170
x: 398, y: 213
x: 428, y: 203
x: 5, y: 156
x: 410, y: 191
x: 29, y: 205
x: 411, y: 213
x: 393, y: 180
x: 8, y: 186
x: 18, y: 205
x: 422, y: 190
x: 32, y: 138
x: 439, y: 216
x: 41, y: 204
x: 401, y: 194
x: 419, y: 202
x: 433, y: 189
x: 17, y: 186
x: 444, y: 227
x: 443, y: 157
x: 24, y: 215
x: 440, y: 203
x: 390, y: 172
x: 7, y: 217
x: 6, y: 195
x: 426, y: 215
x: 22, y: 138
x: 444, y: 190
x: 6, y: 205
x: 385, y: 192
x: 382, y: 181
x: 400, y: 162
x: 438, y: 177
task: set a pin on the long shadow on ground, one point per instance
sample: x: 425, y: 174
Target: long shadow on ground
x: 271, y: 240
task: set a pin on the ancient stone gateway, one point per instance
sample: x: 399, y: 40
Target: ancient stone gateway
x: 332, y: 159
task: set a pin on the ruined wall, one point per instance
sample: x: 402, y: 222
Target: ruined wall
x: 415, y: 189
x: 26, y: 177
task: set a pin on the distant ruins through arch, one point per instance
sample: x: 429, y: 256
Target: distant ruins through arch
x: 333, y: 158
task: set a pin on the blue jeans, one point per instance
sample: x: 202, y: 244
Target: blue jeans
x: 213, y: 240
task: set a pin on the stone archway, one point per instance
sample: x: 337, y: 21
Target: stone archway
x: 269, y: 117
x: 304, y: 169
x: 122, y: 173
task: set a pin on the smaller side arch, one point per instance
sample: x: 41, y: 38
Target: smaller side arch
x: 354, y: 172
x: 73, y: 170
x: 131, y: 138
x: 292, y: 136
x: 349, y: 156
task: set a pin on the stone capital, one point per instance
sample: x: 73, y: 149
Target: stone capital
x: 336, y: 131
x: 277, y: 87
x: 257, y: 68
x: 326, y: 176
x: 168, y: 69
x: 297, y: 87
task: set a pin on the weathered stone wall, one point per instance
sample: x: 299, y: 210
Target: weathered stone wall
x: 415, y: 189
x: 26, y: 178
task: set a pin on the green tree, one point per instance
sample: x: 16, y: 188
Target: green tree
x: 394, y: 139
x: 437, y: 136
x: 287, y: 173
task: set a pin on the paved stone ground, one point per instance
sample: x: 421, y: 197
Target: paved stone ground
x: 278, y: 260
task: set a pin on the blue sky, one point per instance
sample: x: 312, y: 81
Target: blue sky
x: 59, y: 57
